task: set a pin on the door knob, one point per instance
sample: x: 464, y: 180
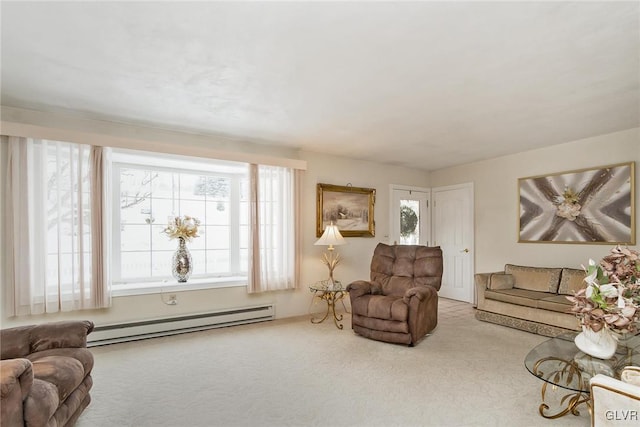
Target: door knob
x: 465, y: 250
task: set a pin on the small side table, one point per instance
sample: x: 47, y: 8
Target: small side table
x: 330, y: 295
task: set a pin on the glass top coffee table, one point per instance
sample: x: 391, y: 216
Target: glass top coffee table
x: 559, y: 363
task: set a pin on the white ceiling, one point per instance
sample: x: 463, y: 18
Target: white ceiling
x: 420, y: 84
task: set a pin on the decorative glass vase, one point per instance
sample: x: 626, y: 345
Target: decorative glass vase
x: 182, y: 264
x: 601, y: 344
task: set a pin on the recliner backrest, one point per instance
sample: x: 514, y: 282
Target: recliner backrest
x: 400, y: 267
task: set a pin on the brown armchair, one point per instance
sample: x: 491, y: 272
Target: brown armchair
x: 45, y: 373
x: 400, y: 302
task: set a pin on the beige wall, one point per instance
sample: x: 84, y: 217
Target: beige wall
x: 496, y: 192
x: 320, y: 168
x: 496, y: 211
x: 356, y: 254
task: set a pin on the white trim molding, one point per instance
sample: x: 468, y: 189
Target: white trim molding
x: 69, y: 128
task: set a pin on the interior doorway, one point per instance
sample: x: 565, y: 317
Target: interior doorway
x: 453, y: 231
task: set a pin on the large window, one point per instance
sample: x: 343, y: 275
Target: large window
x: 149, y: 189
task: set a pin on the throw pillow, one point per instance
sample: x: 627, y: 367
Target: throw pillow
x: 500, y: 281
x: 534, y: 278
x: 571, y: 281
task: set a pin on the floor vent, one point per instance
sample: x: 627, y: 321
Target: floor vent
x: 109, y: 334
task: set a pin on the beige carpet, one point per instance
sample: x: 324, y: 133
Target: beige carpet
x: 293, y: 373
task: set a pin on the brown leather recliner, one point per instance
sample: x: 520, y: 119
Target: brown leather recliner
x: 45, y: 373
x: 400, y: 302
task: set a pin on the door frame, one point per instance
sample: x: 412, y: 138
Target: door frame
x: 392, y: 209
x: 470, y: 192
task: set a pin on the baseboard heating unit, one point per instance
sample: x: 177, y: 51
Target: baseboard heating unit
x: 109, y: 334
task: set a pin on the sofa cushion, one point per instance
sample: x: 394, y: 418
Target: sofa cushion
x: 516, y: 296
x: 558, y: 303
x: 500, y: 281
x: 534, y: 278
x: 571, y: 281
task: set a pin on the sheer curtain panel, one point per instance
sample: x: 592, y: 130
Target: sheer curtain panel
x: 273, y: 260
x: 56, y: 227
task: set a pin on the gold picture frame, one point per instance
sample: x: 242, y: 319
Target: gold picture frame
x: 586, y: 206
x: 350, y: 208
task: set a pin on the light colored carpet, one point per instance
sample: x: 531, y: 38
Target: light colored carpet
x: 292, y: 373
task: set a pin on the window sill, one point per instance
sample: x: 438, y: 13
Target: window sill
x: 145, y: 288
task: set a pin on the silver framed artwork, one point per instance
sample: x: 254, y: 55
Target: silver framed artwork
x: 593, y: 205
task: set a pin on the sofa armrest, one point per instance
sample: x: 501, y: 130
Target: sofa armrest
x: 359, y: 288
x: 16, y: 379
x: 419, y: 292
x: 65, y: 334
x: 483, y: 280
x: 16, y: 375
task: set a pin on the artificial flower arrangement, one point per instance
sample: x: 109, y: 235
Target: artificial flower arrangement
x: 612, y: 297
x: 185, y: 227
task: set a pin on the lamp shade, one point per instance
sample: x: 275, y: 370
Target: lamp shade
x: 331, y: 236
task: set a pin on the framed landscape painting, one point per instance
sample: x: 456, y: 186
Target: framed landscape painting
x: 350, y: 208
x: 584, y: 206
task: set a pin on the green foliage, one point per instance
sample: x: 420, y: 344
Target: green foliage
x: 408, y: 221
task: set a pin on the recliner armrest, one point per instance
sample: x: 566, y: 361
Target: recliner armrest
x: 420, y: 292
x: 358, y: 288
x: 16, y: 377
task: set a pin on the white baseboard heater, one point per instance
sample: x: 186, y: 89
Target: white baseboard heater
x: 110, y: 334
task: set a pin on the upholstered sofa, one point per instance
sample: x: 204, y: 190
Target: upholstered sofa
x: 45, y: 374
x: 529, y: 298
x: 399, y: 304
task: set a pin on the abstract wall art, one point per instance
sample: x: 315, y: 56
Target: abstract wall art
x: 584, y: 206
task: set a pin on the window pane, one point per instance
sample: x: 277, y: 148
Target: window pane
x: 135, y: 265
x: 244, y: 236
x: 135, y: 189
x: 150, y: 195
x: 160, y: 241
x: 217, y: 213
x: 161, y: 263
x: 217, y: 237
x: 244, y: 189
x: 135, y: 213
x: 193, y: 209
x: 409, y: 222
x: 214, y: 187
x: 162, y: 209
x: 165, y: 185
x: 244, y: 213
x: 199, y: 242
x: 135, y: 237
x: 218, y: 262
x: 244, y: 260
x: 199, y: 264
x: 189, y: 188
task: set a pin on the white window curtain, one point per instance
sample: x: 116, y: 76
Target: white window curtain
x: 274, y: 263
x: 56, y: 223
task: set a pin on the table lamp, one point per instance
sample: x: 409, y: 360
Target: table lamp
x: 330, y: 237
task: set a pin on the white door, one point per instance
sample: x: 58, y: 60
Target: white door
x: 410, y: 216
x: 453, y: 232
